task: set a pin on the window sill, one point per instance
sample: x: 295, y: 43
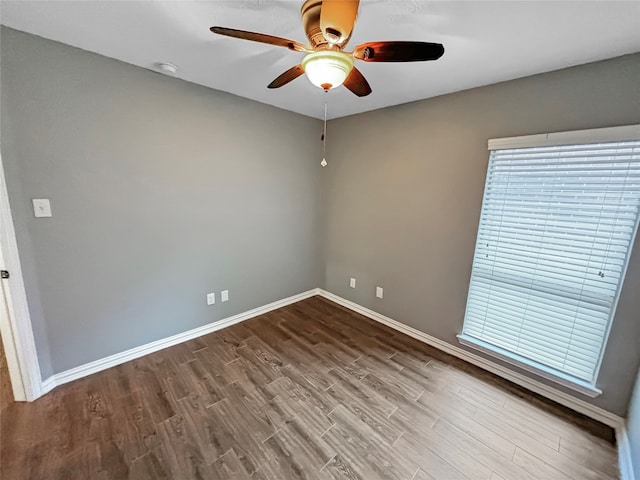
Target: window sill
x: 578, y: 385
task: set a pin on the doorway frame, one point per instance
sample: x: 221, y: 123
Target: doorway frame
x: 15, y: 327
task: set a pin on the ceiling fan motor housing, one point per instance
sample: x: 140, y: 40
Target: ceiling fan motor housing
x: 311, y: 22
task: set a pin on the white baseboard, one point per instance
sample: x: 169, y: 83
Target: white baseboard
x: 137, y: 352
x: 47, y: 385
x: 624, y: 454
x: 540, y: 388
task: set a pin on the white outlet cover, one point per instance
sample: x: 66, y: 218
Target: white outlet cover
x: 224, y: 295
x: 211, y: 298
x: 379, y: 292
x: 41, y: 207
x: 352, y: 282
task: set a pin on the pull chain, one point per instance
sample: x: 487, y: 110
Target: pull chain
x: 324, y: 138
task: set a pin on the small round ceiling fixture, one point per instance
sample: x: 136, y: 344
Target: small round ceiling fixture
x: 166, y: 67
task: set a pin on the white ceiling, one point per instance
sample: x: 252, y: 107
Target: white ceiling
x: 485, y: 42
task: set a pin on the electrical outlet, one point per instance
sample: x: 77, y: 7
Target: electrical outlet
x: 224, y: 296
x: 352, y: 282
x: 211, y: 298
x: 379, y: 292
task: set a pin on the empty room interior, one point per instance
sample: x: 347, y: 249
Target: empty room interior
x: 322, y: 239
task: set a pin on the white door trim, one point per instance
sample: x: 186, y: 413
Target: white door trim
x: 15, y: 326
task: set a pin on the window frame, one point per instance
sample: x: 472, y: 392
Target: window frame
x: 575, y: 137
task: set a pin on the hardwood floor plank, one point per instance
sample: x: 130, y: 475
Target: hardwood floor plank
x: 260, y: 360
x: 229, y: 430
x: 349, y: 389
x: 499, y: 444
x: 229, y: 467
x: 540, y: 430
x: 392, y: 390
x: 247, y: 374
x: 413, y: 418
x: 375, y: 418
x: 305, y: 390
x: 445, y: 378
x: 340, y: 469
x: 530, y: 446
x: 206, y: 381
x: 178, y: 446
x: 362, y: 447
x: 495, y: 476
x: 204, y: 428
x: 335, y: 353
x: 574, y: 443
x: 428, y: 461
x: 149, y: 467
x: 405, y: 360
x: 452, y: 453
x: 296, y: 453
x: 536, y: 466
x: 261, y: 408
x: 293, y: 401
x: 492, y: 459
x: 559, y: 463
x: 78, y: 465
x: 174, y: 380
x: 518, y: 435
x: 588, y: 451
x: 6, y: 392
x: 389, y: 431
x: 446, y: 405
x: 404, y: 344
x: 422, y: 475
x: 269, y: 329
x: 480, y: 400
x: 308, y: 391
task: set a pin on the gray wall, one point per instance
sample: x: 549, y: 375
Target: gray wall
x: 633, y: 427
x: 161, y: 191
x: 405, y: 189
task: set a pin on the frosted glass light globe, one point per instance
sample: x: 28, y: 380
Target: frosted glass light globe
x: 327, y: 69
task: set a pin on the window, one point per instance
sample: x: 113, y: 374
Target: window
x: 559, y: 217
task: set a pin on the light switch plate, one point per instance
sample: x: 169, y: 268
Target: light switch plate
x: 224, y: 296
x: 41, y: 207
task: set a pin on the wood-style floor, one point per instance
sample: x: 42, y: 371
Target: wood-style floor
x: 310, y: 391
x: 6, y: 393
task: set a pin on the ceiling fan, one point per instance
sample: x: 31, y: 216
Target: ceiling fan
x: 328, y: 25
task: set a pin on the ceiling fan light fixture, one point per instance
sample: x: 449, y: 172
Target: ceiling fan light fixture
x: 327, y: 69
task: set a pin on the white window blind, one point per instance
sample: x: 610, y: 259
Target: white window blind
x: 556, y: 229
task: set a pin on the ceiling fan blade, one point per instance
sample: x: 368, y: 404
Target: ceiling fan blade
x: 260, y: 37
x: 337, y: 19
x: 357, y: 83
x: 286, y: 77
x: 398, y: 51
